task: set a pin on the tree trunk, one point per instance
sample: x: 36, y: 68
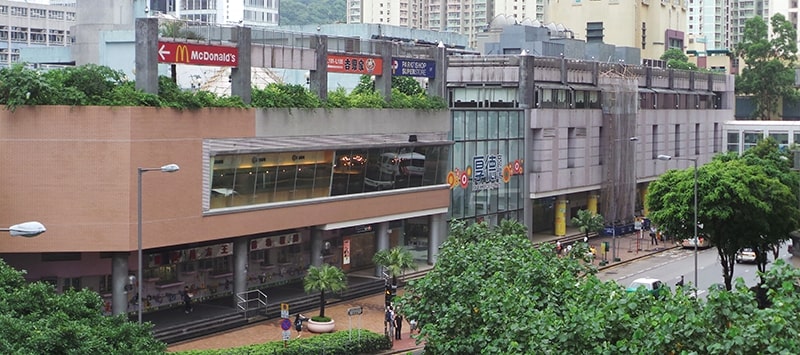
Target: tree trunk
x: 322, y: 303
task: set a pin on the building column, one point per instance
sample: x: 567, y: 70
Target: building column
x: 437, y: 86
x: 316, y: 246
x: 119, y: 280
x: 561, y: 216
x: 240, y: 76
x: 591, y: 203
x: 381, y: 243
x: 146, y: 54
x: 437, y: 225
x: 383, y: 80
x: 240, y: 252
x: 318, y: 79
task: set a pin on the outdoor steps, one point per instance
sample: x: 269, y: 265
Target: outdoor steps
x: 306, y: 303
x: 198, y: 328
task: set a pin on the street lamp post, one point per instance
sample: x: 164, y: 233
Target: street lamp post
x: 696, y: 239
x: 26, y: 229
x: 169, y: 168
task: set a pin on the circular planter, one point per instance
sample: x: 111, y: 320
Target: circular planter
x: 321, y: 327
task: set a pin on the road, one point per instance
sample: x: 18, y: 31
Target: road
x: 668, y: 266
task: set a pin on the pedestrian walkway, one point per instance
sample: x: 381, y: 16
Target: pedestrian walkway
x: 629, y: 247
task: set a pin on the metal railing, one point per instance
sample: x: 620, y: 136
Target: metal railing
x: 251, y: 300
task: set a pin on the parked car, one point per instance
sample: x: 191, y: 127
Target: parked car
x: 653, y: 286
x: 746, y: 255
x: 690, y: 242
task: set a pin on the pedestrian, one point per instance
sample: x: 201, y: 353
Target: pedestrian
x: 680, y: 283
x: 412, y: 325
x: 398, y: 325
x: 298, y: 324
x: 558, y: 247
x: 389, y: 321
x: 187, y: 300
x: 653, y: 238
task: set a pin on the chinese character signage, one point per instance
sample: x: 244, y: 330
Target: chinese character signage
x: 354, y: 64
x: 485, y: 173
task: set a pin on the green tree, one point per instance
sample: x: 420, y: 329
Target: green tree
x: 396, y: 261
x: 312, y: 12
x: 34, y: 319
x: 493, y: 292
x: 768, y: 74
x: 737, y: 206
x: 322, y: 279
x: 588, y: 222
x: 677, y: 60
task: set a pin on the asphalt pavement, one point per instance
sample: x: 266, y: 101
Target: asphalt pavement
x: 628, y: 248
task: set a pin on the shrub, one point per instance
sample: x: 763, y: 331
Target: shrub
x: 356, y: 341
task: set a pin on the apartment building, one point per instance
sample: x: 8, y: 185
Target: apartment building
x: 246, y: 12
x: 650, y: 25
x: 24, y: 24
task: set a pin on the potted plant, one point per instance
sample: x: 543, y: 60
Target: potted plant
x: 396, y: 261
x: 321, y: 279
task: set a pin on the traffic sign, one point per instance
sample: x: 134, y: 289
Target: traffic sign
x: 284, y: 310
x: 286, y: 324
x: 287, y: 334
x: 197, y: 54
x: 354, y: 311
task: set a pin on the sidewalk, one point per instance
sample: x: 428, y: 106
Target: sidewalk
x: 373, y: 306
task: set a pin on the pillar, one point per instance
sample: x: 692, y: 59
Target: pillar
x: 591, y: 203
x: 146, y: 55
x: 645, y: 187
x: 383, y: 80
x: 316, y: 246
x: 240, y: 252
x: 240, y: 76
x: 381, y: 243
x: 437, y: 85
x: 318, y: 78
x: 119, y: 279
x: 561, y: 216
x: 437, y: 225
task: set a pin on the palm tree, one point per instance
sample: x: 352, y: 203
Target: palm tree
x: 324, y: 278
x: 588, y: 222
x: 396, y: 261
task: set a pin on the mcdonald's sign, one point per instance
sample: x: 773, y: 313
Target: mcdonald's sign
x: 197, y: 54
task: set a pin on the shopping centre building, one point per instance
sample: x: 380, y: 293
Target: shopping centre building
x: 262, y: 194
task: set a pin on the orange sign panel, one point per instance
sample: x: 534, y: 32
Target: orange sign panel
x: 354, y: 64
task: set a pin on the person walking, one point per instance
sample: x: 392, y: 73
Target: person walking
x: 389, y: 321
x: 398, y: 326
x: 298, y: 324
x: 187, y: 300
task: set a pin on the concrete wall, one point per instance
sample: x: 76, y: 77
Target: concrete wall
x: 75, y: 170
x: 300, y: 122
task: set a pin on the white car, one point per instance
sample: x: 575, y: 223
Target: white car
x: 746, y: 255
x: 653, y: 286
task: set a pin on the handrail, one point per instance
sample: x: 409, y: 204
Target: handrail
x: 244, y: 299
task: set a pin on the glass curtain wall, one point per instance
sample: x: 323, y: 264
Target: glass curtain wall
x: 263, y: 178
x: 486, y: 179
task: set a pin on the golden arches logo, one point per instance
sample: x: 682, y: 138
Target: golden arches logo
x: 182, y: 53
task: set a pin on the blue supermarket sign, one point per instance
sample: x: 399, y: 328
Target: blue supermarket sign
x: 414, y: 67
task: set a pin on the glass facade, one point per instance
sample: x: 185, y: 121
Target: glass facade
x: 486, y: 178
x: 253, y: 179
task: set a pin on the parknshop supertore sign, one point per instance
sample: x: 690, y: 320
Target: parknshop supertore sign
x: 197, y: 54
